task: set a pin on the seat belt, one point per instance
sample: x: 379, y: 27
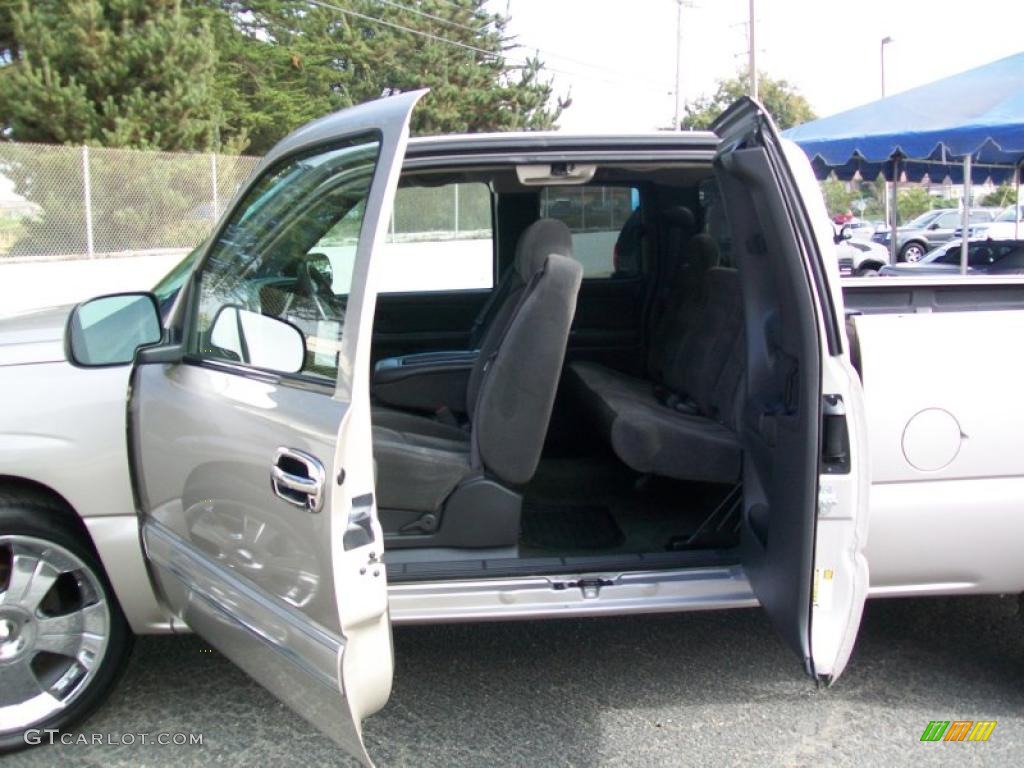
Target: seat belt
x: 499, y: 292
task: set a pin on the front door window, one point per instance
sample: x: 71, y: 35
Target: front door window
x: 270, y: 260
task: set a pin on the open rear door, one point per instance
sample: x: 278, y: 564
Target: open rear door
x: 251, y: 439
x: 802, y: 425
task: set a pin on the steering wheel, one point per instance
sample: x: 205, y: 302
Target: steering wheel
x: 316, y: 285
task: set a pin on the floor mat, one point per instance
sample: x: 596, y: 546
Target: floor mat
x: 569, y: 526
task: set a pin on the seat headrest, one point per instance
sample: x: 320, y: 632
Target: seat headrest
x: 681, y: 217
x: 703, y: 253
x: 540, y: 240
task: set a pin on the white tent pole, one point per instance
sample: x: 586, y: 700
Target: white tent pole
x: 1017, y: 202
x: 966, y: 214
x: 895, y: 208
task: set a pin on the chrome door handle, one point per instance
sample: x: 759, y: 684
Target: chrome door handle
x: 298, y: 478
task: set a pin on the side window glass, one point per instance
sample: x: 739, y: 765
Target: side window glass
x: 440, y: 239
x: 949, y: 220
x: 274, y: 289
x: 607, y: 233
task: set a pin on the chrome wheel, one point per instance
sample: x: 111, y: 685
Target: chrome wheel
x: 913, y: 253
x: 55, y: 625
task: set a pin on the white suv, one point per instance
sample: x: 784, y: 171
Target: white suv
x: 1003, y: 227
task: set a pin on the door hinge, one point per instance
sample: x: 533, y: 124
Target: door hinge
x: 589, y: 586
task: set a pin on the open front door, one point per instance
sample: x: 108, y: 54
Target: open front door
x: 802, y: 427
x: 251, y: 441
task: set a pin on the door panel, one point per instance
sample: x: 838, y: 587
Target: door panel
x: 255, y: 486
x: 424, y: 322
x: 805, y: 483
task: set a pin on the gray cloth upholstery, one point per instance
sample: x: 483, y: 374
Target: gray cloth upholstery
x: 678, y: 308
x: 404, y: 421
x: 650, y: 437
x: 420, y: 460
x: 518, y: 391
x: 540, y: 240
x: 417, y: 472
x: 684, y: 424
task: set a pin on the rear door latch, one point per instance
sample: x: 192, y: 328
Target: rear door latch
x: 589, y: 586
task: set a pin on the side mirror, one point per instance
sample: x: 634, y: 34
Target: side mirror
x: 109, y: 330
x: 259, y: 340
x: 934, y: 225
x: 843, y: 234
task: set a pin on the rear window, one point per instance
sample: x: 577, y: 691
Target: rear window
x: 605, y: 225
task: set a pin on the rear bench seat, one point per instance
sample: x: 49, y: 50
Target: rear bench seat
x: 681, y: 423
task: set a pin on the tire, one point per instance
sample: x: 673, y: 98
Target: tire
x: 867, y: 270
x: 912, y: 252
x: 91, y: 623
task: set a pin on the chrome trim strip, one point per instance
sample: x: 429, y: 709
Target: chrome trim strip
x: 549, y: 596
x: 288, y: 632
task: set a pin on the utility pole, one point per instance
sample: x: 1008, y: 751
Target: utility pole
x: 885, y: 41
x: 753, y: 53
x: 677, y: 116
x: 676, y: 119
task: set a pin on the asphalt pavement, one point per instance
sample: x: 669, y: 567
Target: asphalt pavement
x: 697, y: 689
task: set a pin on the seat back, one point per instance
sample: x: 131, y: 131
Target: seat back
x: 512, y: 386
x: 709, y: 362
x: 683, y: 303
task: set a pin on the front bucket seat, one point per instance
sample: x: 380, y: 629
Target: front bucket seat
x: 422, y: 466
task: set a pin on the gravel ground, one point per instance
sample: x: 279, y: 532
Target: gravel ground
x: 689, y: 689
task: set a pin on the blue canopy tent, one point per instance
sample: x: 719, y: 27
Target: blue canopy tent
x: 970, y: 125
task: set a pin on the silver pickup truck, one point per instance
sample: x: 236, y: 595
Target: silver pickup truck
x: 660, y: 398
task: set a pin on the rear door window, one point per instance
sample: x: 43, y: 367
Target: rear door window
x: 441, y: 238
x: 605, y: 225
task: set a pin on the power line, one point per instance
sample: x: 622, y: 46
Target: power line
x: 393, y: 25
x: 466, y: 46
x: 424, y: 14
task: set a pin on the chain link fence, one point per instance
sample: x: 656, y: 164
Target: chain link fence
x: 82, y: 202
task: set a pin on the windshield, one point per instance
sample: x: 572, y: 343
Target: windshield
x: 921, y: 221
x: 167, y: 289
x: 1007, y: 215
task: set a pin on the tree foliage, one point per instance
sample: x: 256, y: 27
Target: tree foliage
x: 1003, y: 195
x: 838, y: 198
x: 912, y: 202
x: 122, y: 73
x: 233, y: 75
x: 784, y: 103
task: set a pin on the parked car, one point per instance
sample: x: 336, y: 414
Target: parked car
x: 927, y: 231
x: 984, y: 257
x: 1007, y: 225
x: 858, y: 257
x: 860, y: 229
x: 288, y: 494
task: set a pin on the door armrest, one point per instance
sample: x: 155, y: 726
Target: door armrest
x: 428, y: 381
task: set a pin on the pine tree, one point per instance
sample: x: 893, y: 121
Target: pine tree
x: 284, y: 62
x: 117, y: 73
x: 228, y: 75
